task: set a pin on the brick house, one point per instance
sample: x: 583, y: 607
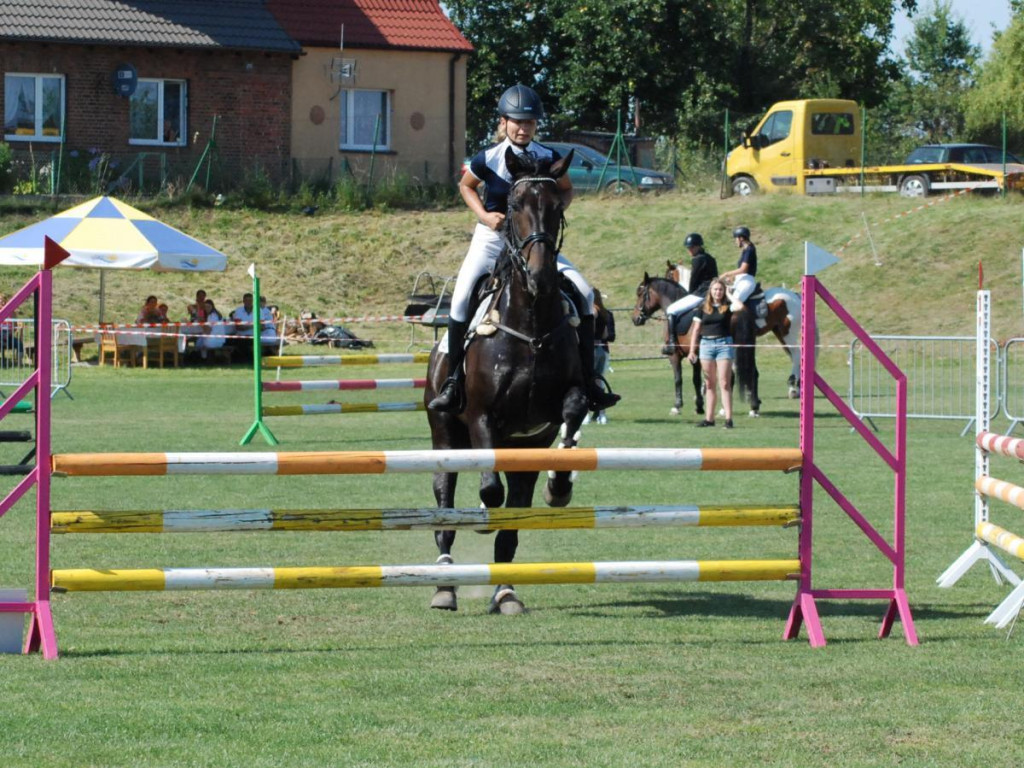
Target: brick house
x: 380, y: 79
x: 146, y: 81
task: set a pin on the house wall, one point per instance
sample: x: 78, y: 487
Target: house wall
x: 419, y: 86
x: 248, y: 92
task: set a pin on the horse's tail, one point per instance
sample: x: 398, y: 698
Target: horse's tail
x: 745, y: 336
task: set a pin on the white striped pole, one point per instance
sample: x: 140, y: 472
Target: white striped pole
x: 1000, y: 489
x: 160, y: 579
x: 1012, y: 447
x: 342, y: 384
x: 378, y: 462
x: 323, y: 409
x: 306, y: 361
x: 501, y: 518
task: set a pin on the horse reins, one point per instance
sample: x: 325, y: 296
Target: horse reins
x: 517, y: 247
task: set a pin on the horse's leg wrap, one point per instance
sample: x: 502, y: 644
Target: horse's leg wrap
x: 506, y: 602
x: 444, y: 597
x: 451, y: 398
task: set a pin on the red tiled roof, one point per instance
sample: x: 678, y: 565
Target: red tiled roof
x: 410, y: 24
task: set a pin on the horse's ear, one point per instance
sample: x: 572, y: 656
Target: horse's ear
x: 647, y: 278
x: 559, y: 167
x: 512, y: 162
x: 670, y: 264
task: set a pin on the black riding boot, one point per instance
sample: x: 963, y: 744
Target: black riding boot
x: 597, y: 397
x: 670, y: 335
x: 451, y: 398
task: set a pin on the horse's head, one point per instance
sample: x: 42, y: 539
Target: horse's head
x: 535, y: 219
x: 647, y: 302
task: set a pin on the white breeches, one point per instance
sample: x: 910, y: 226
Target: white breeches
x: 483, y: 252
x: 742, y: 287
x: 684, y: 304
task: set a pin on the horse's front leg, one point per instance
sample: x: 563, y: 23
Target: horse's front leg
x: 520, y: 494
x: 558, y: 490
x: 481, y: 435
x: 444, y: 493
x: 676, y: 361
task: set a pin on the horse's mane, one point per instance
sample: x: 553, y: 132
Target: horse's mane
x: 531, y: 165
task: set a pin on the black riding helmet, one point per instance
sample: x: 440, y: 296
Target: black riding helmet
x: 741, y: 232
x: 693, y: 239
x: 520, y: 102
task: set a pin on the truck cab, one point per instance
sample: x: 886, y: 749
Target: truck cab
x: 793, y: 137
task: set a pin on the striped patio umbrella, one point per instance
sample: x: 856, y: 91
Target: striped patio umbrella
x: 105, y: 233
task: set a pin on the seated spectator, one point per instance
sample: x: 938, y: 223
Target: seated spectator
x: 215, y: 330
x: 268, y: 324
x: 197, y: 312
x: 243, y: 316
x: 150, y: 312
x: 162, y: 309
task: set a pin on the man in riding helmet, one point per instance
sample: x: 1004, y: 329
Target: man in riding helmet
x: 742, y: 278
x: 519, y: 109
x: 703, y: 269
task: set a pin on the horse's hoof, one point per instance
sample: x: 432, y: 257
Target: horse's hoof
x: 754, y: 415
x: 675, y: 411
x: 794, y: 393
x: 444, y: 599
x: 556, y: 500
x: 507, y: 603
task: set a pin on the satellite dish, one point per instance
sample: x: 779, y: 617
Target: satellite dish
x: 125, y: 80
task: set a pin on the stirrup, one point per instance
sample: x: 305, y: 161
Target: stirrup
x: 668, y: 349
x: 598, y: 397
x: 449, y: 399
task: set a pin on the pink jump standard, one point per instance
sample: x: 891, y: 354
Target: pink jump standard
x: 804, y: 608
x: 41, y: 635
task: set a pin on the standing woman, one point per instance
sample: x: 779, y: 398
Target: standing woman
x: 742, y: 278
x: 711, y: 327
x: 519, y: 109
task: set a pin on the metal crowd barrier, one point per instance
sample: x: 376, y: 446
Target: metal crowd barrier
x: 1010, y: 384
x: 941, y: 379
x: 17, y: 354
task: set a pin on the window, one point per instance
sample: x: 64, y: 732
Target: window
x: 360, y: 111
x: 33, y: 107
x: 776, y: 127
x: 157, y: 113
x: 835, y: 123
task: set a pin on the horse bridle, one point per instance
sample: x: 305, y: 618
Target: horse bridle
x: 645, y: 300
x: 517, y: 246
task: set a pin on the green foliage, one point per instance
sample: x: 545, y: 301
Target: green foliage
x: 6, y: 168
x: 672, y: 66
x: 999, y: 89
x: 87, y: 171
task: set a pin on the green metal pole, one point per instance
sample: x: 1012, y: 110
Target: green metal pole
x: 863, y: 145
x: 725, y: 154
x: 257, y: 370
x: 213, y: 151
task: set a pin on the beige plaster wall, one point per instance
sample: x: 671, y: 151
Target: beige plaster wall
x: 418, y: 82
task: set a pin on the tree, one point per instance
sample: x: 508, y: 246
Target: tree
x: 1000, y: 88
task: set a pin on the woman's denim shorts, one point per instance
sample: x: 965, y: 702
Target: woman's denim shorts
x: 717, y: 349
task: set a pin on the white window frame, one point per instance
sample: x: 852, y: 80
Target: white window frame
x: 347, y: 119
x: 182, y: 118
x: 39, y: 77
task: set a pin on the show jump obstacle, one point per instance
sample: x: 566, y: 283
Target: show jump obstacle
x: 986, y: 534
x: 259, y: 362
x: 665, y: 460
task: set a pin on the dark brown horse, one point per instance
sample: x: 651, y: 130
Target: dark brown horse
x: 524, y: 380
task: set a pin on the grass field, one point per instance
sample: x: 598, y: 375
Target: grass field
x: 611, y: 675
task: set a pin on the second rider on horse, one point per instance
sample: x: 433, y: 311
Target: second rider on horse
x: 519, y: 108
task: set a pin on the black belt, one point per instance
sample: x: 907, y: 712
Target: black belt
x: 714, y: 338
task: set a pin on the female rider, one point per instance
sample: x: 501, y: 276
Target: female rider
x: 742, y: 278
x: 519, y: 108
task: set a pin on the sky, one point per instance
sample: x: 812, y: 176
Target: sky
x: 979, y: 15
